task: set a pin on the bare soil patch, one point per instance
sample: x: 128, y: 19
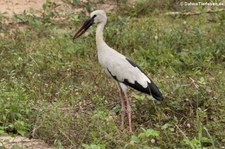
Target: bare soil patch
x: 9, y: 7
x: 19, y: 141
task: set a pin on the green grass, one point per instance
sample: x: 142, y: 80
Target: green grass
x: 54, y: 89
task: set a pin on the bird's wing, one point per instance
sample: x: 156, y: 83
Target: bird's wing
x: 125, y: 71
x: 122, y: 69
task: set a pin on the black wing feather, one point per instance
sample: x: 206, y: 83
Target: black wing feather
x: 151, y: 89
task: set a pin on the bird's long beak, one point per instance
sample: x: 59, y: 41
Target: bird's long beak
x: 84, y: 27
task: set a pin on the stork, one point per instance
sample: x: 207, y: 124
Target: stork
x: 119, y: 67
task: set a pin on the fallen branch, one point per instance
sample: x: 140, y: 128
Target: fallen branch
x: 194, y: 13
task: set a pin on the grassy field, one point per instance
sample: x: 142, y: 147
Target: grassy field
x: 53, y: 89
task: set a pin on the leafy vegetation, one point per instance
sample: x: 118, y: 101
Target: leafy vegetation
x: 53, y: 88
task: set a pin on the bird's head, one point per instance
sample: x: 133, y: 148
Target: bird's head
x: 96, y: 17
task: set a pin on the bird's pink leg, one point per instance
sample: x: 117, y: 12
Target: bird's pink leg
x: 122, y: 108
x: 129, y: 111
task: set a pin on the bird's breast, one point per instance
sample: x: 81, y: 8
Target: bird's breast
x: 105, y: 55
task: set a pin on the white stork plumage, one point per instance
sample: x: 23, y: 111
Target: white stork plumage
x: 116, y: 65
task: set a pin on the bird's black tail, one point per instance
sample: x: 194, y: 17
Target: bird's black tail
x: 154, y: 91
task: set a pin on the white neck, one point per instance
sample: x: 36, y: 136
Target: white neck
x: 99, y: 34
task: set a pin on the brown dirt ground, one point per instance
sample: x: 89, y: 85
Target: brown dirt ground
x: 9, y: 7
x: 7, y: 142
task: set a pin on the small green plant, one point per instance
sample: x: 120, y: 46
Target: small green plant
x: 198, y: 142
x: 145, y: 139
x: 15, y: 109
x: 93, y: 146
